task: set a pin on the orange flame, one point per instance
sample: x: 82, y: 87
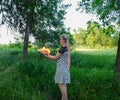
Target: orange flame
x: 45, y: 50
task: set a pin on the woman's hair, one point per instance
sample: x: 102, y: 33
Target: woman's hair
x: 65, y: 37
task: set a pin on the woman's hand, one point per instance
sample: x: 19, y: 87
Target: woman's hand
x: 46, y: 55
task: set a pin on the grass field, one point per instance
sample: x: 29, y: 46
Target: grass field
x: 92, y: 74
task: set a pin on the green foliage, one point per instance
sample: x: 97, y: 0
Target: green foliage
x: 91, y: 76
x: 106, y: 10
x: 79, y: 37
x: 16, y: 45
x: 96, y: 36
x: 8, y: 56
x: 90, y: 84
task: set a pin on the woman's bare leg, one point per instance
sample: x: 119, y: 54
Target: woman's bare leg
x: 63, y: 89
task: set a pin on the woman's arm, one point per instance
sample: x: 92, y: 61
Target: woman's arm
x: 54, y: 57
x: 68, y: 61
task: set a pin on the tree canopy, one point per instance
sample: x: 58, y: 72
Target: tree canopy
x: 107, y: 10
x: 42, y: 18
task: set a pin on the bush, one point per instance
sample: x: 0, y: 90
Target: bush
x: 16, y: 45
x: 8, y: 57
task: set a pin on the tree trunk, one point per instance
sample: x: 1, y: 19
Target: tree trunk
x: 26, y: 38
x: 117, y: 62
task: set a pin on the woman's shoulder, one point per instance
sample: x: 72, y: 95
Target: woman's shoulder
x: 63, y: 49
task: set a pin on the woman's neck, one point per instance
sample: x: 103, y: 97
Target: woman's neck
x: 64, y: 45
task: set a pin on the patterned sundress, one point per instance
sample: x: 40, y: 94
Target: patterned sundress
x: 62, y: 74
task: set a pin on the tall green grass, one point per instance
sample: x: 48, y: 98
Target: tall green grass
x: 91, y: 76
x: 94, y: 59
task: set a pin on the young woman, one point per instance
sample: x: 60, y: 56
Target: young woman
x: 62, y: 76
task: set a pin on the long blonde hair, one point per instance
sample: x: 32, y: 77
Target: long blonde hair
x: 66, y: 38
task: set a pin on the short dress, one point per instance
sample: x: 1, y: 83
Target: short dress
x: 62, y: 74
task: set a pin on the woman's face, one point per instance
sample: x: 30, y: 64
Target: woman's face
x: 62, y: 41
